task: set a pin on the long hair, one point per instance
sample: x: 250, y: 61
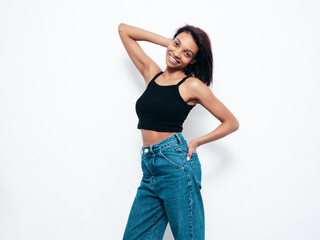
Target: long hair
x: 203, y: 67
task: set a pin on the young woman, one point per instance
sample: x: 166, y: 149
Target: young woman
x: 171, y: 182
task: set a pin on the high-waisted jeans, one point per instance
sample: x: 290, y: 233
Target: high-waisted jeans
x: 169, y: 191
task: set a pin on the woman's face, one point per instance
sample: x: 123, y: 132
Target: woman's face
x: 181, y: 51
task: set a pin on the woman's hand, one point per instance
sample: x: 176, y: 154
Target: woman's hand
x: 192, y: 147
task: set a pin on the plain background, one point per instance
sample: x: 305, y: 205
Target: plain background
x: 69, y: 143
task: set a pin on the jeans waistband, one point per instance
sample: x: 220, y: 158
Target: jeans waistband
x: 175, y: 138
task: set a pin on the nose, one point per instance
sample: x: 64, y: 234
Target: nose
x: 176, y: 54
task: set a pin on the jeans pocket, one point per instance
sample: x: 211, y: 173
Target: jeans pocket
x: 170, y: 155
x: 196, y: 168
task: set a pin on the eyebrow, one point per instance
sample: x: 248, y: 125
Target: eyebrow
x: 187, y: 49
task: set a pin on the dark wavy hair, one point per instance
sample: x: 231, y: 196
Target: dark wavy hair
x: 203, y: 67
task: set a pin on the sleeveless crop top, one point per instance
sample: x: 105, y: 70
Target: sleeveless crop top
x: 161, y: 107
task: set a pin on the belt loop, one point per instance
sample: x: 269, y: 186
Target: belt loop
x: 179, y: 139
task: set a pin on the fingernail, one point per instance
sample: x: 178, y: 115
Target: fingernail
x: 188, y: 158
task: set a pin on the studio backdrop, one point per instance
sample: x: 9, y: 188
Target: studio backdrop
x: 69, y: 143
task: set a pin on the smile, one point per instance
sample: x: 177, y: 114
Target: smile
x: 172, y: 59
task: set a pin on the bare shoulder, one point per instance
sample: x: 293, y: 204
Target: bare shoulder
x: 195, y: 85
x: 194, y: 82
x: 198, y: 89
x: 203, y: 95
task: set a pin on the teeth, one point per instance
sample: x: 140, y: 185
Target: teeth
x: 172, y: 59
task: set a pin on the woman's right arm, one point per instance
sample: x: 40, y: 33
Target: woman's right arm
x: 129, y: 36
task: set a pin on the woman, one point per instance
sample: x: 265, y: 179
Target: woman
x: 171, y: 182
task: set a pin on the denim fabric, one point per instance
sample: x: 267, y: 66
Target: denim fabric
x: 169, y: 192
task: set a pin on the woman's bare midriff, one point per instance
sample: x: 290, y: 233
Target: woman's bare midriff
x: 150, y: 137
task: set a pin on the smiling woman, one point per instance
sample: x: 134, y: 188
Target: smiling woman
x: 171, y: 181
x: 178, y: 52
x: 201, y: 65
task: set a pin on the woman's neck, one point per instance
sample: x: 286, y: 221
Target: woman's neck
x: 170, y: 75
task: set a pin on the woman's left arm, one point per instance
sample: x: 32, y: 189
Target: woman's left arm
x: 203, y: 95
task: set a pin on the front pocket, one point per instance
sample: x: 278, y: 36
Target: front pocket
x: 170, y: 154
x: 196, y: 168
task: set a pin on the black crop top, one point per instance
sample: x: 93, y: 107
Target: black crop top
x: 161, y: 108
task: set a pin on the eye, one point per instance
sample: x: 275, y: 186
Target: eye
x: 188, y: 54
x: 176, y: 44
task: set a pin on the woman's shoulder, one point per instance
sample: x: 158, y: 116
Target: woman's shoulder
x: 196, y: 88
x: 194, y: 82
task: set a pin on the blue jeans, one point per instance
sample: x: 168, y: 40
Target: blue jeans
x: 169, y: 192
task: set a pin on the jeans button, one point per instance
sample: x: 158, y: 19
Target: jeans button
x: 146, y: 150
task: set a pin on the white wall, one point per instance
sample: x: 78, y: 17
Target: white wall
x: 69, y: 146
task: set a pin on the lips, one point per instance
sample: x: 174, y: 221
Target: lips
x: 173, y: 60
